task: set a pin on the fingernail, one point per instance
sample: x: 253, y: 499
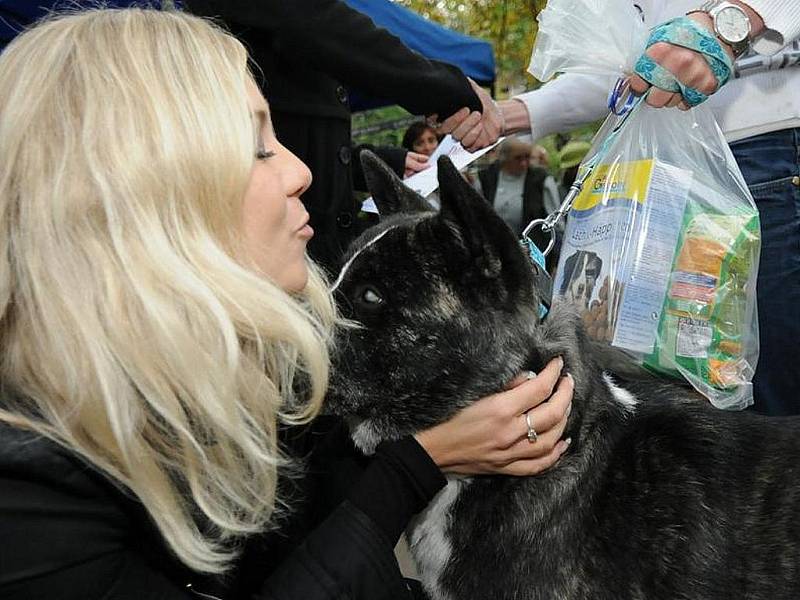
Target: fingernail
x: 561, y: 363
x: 571, y: 378
x: 567, y: 442
x: 569, y: 410
x: 530, y: 375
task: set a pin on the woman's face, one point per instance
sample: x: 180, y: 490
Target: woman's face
x: 425, y: 143
x: 276, y: 226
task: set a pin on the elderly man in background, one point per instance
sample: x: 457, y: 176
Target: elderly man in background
x: 514, y: 187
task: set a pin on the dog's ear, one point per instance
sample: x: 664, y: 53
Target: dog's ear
x: 387, y: 189
x: 482, y: 231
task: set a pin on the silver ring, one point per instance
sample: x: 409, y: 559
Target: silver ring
x: 532, y: 435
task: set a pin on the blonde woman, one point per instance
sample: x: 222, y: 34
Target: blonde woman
x: 161, y: 323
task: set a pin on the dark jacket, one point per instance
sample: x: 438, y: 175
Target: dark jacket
x: 69, y: 533
x: 532, y: 195
x: 308, y: 50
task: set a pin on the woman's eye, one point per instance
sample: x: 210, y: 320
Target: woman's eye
x: 262, y: 154
x: 261, y: 151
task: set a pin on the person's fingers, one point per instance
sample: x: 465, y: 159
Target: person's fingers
x: 472, y: 139
x: 548, y: 416
x: 416, y: 162
x: 489, y: 134
x: 676, y: 100
x: 535, y: 466
x: 535, y: 391
x: 690, y: 68
x: 453, y: 121
x: 520, y: 379
x: 466, y: 126
x: 658, y: 98
x: 638, y: 85
x: 525, y: 450
x: 683, y: 106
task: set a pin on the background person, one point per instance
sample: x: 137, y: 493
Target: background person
x: 514, y: 187
x: 420, y: 137
x: 164, y: 334
x: 552, y: 195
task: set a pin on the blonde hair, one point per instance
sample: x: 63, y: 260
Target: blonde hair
x: 132, y: 330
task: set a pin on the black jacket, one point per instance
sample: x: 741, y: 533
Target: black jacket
x: 532, y: 191
x: 69, y: 533
x: 308, y: 50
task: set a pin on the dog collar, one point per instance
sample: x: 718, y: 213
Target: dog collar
x: 542, y: 279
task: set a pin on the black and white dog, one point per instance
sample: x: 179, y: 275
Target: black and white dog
x: 659, y: 497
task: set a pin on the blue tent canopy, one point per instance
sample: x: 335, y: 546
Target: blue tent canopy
x: 473, y: 56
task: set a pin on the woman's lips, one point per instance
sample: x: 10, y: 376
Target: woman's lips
x: 305, y: 231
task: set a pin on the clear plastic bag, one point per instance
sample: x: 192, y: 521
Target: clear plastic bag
x: 660, y: 252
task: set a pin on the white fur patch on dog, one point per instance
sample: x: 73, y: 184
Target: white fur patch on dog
x: 621, y: 395
x: 428, y: 540
x: 365, y: 437
x: 349, y: 263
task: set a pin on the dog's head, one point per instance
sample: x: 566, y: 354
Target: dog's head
x: 445, y: 303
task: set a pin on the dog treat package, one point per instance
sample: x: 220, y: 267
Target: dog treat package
x: 662, y: 263
x: 661, y: 247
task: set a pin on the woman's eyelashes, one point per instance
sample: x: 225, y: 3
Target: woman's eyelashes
x: 262, y: 153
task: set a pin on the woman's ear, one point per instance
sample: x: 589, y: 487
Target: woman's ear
x: 390, y: 194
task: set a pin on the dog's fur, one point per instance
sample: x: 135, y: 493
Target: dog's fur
x: 659, y: 497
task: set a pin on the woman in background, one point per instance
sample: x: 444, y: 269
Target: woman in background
x: 421, y: 138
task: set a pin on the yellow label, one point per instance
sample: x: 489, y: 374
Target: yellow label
x: 616, y: 181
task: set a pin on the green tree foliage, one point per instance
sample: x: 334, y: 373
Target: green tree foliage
x: 510, y: 25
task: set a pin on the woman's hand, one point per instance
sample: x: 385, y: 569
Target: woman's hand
x: 415, y: 162
x: 688, y: 66
x: 491, y: 436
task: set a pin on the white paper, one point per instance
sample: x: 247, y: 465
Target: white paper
x: 425, y: 182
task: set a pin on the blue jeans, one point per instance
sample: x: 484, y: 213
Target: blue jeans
x: 771, y: 166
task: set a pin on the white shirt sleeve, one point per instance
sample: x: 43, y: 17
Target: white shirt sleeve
x: 572, y: 100
x: 782, y: 22
x: 567, y: 102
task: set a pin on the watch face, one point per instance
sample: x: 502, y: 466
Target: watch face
x: 732, y: 24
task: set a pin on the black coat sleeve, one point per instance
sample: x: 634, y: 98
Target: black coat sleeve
x: 69, y: 533
x: 351, y: 554
x: 345, y: 557
x: 345, y: 44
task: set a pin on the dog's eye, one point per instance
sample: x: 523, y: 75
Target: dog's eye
x: 367, y: 298
x: 370, y: 296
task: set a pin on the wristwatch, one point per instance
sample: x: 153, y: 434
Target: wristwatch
x: 731, y: 24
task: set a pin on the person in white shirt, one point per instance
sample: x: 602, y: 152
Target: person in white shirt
x: 759, y: 112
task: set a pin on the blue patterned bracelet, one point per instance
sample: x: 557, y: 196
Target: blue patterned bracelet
x: 685, y: 32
